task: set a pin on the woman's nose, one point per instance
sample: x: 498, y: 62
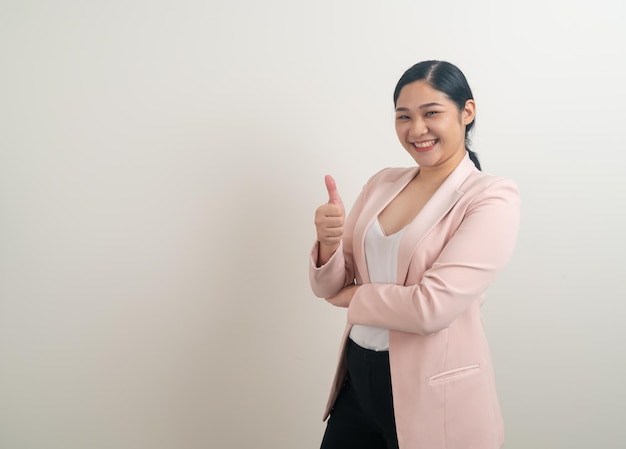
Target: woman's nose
x: 418, y: 128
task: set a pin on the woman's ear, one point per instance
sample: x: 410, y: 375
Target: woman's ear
x: 469, y: 112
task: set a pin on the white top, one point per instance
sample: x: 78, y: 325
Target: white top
x: 381, y: 254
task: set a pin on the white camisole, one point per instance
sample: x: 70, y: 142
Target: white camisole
x: 381, y: 254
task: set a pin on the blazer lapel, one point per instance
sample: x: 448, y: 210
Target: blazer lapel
x: 433, y: 211
x: 381, y: 196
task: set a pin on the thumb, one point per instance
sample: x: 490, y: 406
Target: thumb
x: 333, y: 194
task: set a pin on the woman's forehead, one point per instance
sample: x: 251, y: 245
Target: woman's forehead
x: 420, y: 93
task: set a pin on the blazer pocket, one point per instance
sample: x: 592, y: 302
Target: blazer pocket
x: 453, y: 374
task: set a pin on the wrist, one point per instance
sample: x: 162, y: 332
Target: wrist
x: 325, y: 252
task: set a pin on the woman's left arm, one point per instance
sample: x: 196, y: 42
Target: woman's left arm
x: 466, y: 266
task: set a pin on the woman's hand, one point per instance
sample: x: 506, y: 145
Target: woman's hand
x: 329, y: 219
x: 344, y: 297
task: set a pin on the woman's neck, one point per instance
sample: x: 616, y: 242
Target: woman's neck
x: 437, y: 174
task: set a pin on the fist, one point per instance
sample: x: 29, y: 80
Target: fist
x: 329, y: 218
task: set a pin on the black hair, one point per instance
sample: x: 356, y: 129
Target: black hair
x: 447, y: 78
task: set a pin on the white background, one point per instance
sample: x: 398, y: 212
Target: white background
x: 160, y: 163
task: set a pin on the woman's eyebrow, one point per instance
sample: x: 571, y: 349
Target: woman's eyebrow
x: 428, y: 105
x: 423, y: 106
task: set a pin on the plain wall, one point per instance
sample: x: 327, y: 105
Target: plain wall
x: 160, y: 164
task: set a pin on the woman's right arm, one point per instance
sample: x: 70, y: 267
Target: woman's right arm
x: 331, y: 268
x: 329, y: 222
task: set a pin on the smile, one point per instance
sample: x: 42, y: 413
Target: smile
x: 425, y: 145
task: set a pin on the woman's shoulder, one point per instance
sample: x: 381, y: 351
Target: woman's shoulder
x: 479, y: 183
x: 482, y: 178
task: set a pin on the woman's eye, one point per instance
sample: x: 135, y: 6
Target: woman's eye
x: 402, y: 117
x: 431, y: 113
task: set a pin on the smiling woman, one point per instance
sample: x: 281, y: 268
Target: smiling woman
x: 411, y: 262
x: 450, y: 91
x: 431, y: 127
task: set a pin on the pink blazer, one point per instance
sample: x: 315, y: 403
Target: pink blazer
x: 442, y: 378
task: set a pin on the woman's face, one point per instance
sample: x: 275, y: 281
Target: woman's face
x: 431, y: 127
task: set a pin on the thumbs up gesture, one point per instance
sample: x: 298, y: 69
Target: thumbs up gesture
x: 329, y: 219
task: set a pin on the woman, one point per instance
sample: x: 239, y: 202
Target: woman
x: 411, y: 263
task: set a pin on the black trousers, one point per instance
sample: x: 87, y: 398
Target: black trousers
x: 362, y: 417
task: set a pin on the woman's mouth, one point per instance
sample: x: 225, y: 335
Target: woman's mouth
x: 425, y: 145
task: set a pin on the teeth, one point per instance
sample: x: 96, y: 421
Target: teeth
x: 424, y: 144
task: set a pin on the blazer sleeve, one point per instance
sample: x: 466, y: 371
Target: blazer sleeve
x: 338, y: 272
x: 466, y: 266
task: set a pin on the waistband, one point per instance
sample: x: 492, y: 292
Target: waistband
x: 367, y: 355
